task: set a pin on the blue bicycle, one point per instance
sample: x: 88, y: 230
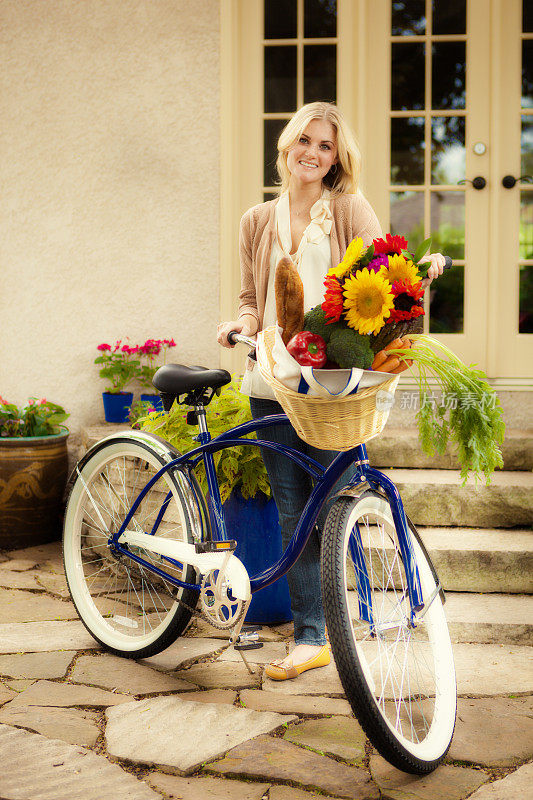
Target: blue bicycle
x: 144, y: 552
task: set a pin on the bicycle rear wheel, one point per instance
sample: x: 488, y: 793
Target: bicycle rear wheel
x: 399, y: 679
x: 125, y: 606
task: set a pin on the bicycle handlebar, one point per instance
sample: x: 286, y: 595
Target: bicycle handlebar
x: 234, y: 337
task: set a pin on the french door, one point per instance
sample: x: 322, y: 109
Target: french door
x: 459, y: 134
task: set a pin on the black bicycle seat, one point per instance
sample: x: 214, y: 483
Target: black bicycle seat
x: 178, y: 379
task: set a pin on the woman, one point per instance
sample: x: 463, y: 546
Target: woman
x: 316, y: 216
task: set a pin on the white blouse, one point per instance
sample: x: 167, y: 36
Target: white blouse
x: 312, y: 260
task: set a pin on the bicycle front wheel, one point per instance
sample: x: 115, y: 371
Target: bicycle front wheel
x: 398, y: 676
x: 124, y: 605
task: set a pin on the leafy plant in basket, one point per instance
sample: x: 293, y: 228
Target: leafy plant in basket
x: 369, y: 319
x: 235, y: 466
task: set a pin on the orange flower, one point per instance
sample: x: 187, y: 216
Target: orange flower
x: 333, y: 302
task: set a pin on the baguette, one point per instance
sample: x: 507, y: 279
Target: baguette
x: 289, y: 292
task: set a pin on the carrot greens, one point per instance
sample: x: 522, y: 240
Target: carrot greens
x: 469, y: 413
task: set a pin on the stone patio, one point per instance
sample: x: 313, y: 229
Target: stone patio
x: 192, y: 723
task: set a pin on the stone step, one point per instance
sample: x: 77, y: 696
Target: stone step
x: 434, y: 497
x: 490, y: 618
x: 482, y: 560
x: 400, y: 447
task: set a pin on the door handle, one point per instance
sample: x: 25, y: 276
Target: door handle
x: 477, y: 183
x: 508, y: 181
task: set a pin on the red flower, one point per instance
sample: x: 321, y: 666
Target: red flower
x: 407, y: 301
x: 332, y: 305
x: 391, y: 244
x: 104, y: 347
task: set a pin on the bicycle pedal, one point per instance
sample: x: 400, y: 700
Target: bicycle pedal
x: 247, y: 645
x: 251, y: 628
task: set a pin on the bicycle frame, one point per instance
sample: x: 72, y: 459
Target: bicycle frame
x: 325, y: 479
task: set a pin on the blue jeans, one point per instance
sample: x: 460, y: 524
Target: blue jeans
x: 291, y: 487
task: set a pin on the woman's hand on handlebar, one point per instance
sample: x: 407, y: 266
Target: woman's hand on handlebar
x: 247, y: 325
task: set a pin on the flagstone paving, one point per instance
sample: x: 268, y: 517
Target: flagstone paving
x: 446, y: 783
x: 76, y: 722
x: 70, y: 725
x: 479, y: 740
x: 179, y: 734
x: 205, y: 788
x: 36, y: 665
x: 119, y: 674
x: 334, y: 736
x: 268, y: 758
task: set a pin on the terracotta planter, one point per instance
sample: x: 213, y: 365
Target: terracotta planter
x: 33, y: 475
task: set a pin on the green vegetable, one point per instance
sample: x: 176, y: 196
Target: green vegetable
x: 240, y: 466
x: 315, y: 322
x: 348, y: 349
x: 469, y: 413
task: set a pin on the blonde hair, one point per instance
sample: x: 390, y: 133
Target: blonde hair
x: 346, y: 177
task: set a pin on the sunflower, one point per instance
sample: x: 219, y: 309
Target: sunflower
x: 400, y: 269
x: 369, y: 300
x: 352, y: 254
x: 332, y: 305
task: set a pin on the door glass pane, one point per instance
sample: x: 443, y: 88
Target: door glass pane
x: 526, y: 224
x: 407, y: 150
x: 527, y: 16
x: 448, y: 75
x: 525, y: 319
x: 408, y: 17
x: 280, y: 19
x: 320, y: 18
x: 272, y: 130
x: 448, y: 223
x: 407, y: 216
x: 320, y: 72
x: 446, y: 296
x: 447, y: 149
x: 449, y: 16
x: 526, y: 143
x: 407, y: 76
x: 280, y: 78
x: 527, y: 74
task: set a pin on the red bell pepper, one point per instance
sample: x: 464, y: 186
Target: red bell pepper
x: 309, y: 349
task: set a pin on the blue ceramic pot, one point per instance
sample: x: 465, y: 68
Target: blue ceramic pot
x: 154, y: 399
x: 254, y: 525
x: 117, y: 406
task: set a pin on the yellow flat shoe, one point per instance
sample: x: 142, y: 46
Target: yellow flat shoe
x: 277, y: 672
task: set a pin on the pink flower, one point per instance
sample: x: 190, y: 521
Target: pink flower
x: 169, y: 342
x: 43, y: 402
x: 104, y: 347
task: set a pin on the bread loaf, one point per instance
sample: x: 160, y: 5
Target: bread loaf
x: 289, y: 292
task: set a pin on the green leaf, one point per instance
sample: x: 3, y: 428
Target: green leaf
x: 422, y: 249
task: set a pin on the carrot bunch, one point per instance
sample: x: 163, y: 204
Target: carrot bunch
x: 391, y: 362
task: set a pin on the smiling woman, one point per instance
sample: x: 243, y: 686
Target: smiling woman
x: 312, y: 222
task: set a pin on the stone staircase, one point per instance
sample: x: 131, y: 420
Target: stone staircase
x: 479, y: 537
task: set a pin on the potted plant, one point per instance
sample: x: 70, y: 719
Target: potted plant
x: 249, y: 509
x: 119, y: 366
x: 33, y: 472
x: 149, y: 353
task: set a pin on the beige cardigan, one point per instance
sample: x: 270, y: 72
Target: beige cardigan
x: 352, y: 216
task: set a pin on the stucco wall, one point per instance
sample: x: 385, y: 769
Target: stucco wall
x: 110, y: 188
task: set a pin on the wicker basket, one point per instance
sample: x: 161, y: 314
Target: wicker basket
x: 329, y: 424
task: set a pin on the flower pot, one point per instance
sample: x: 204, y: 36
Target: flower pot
x: 33, y: 475
x: 117, y: 406
x: 154, y: 399
x: 254, y: 525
